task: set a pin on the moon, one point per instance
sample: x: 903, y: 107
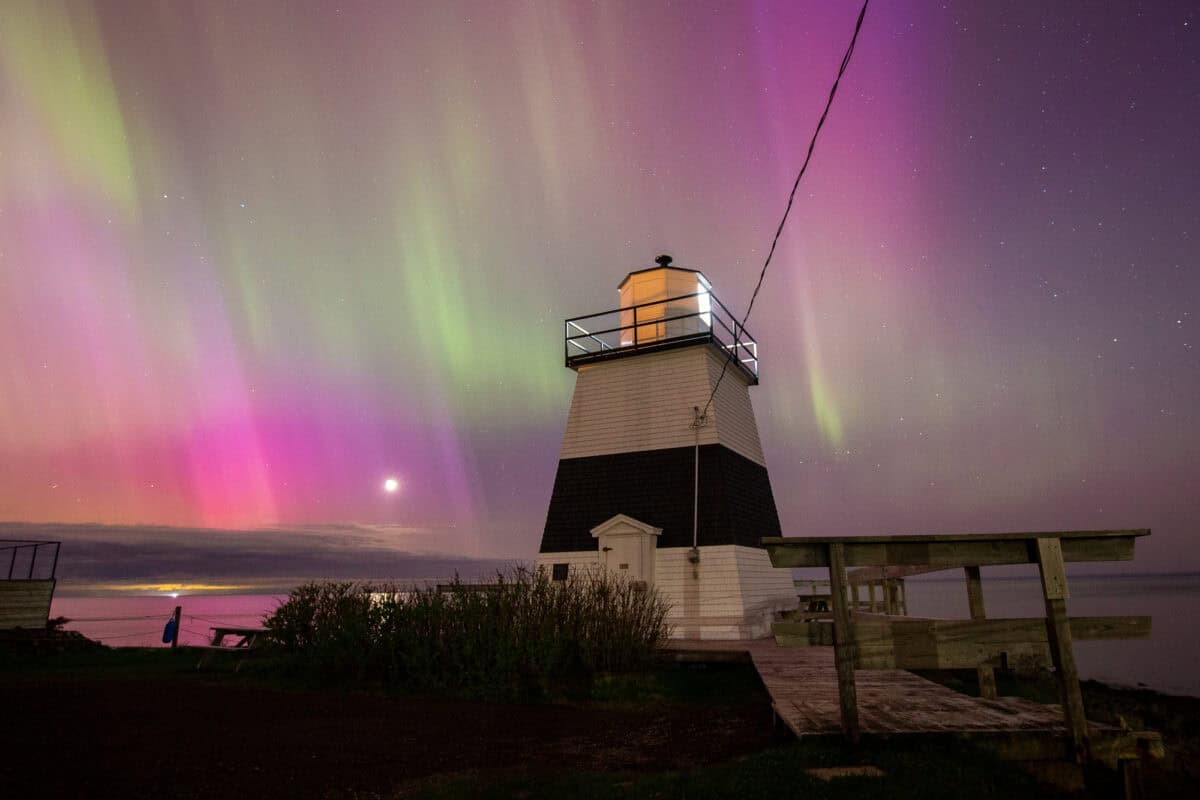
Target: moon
x: 391, y: 485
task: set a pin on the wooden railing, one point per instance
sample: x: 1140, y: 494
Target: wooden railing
x: 888, y: 641
x: 28, y: 560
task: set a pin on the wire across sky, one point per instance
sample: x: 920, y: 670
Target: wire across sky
x: 257, y: 259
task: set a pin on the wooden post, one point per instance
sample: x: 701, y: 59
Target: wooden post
x: 903, y: 598
x: 843, y: 641
x: 1058, y: 634
x: 175, y: 635
x: 984, y: 673
x: 855, y: 604
x: 1131, y: 775
x: 871, y: 595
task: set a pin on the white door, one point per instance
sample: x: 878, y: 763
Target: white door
x: 625, y: 554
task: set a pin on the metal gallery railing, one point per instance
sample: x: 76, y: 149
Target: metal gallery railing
x: 660, y: 324
x: 28, y: 560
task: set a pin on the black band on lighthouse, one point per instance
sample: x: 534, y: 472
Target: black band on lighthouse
x: 655, y: 486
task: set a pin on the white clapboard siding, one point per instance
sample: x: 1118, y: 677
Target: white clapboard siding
x: 645, y: 402
x: 763, y: 585
x: 734, y: 415
x: 577, y: 561
x: 738, y: 593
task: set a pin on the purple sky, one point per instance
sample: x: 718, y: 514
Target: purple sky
x: 256, y: 258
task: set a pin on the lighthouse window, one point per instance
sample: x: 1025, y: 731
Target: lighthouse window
x: 559, y: 572
x: 704, y: 304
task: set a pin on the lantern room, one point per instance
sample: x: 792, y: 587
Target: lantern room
x: 660, y: 307
x: 667, y: 302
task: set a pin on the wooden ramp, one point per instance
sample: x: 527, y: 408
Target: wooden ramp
x: 803, y: 685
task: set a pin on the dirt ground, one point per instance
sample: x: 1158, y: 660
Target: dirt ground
x: 84, y: 737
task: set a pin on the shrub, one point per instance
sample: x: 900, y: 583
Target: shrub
x: 330, y: 623
x: 524, y: 635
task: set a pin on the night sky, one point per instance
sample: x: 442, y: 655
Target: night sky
x: 256, y: 258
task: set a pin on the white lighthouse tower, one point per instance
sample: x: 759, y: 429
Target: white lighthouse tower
x: 648, y: 487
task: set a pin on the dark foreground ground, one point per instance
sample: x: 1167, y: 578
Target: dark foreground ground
x: 150, y: 724
x: 159, y: 728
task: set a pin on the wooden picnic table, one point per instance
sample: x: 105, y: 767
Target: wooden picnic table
x: 249, y: 636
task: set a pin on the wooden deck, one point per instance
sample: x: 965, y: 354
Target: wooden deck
x: 898, y: 643
x: 803, y: 685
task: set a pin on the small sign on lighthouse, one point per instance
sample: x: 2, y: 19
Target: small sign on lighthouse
x: 639, y: 483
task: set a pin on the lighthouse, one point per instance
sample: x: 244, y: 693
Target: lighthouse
x: 661, y: 476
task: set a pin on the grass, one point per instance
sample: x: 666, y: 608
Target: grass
x: 125, y: 663
x: 682, y: 684
x: 1038, y: 687
x: 916, y: 771
x: 1176, y: 718
x: 508, y: 633
x: 659, y: 683
x: 926, y: 769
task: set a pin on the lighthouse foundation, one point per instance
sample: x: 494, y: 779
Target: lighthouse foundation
x: 732, y: 592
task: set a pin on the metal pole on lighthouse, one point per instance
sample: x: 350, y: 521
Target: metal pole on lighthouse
x: 694, y: 554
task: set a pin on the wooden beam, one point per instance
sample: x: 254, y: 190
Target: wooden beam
x: 947, y: 552
x: 803, y: 633
x: 984, y: 673
x: 1082, y: 628
x: 912, y: 643
x: 1058, y: 634
x: 1063, y: 536
x: 1098, y: 549
x: 872, y: 574
x: 843, y: 641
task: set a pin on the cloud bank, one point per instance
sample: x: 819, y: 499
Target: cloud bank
x: 115, y: 558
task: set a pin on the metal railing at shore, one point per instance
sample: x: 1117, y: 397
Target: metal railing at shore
x: 38, y: 560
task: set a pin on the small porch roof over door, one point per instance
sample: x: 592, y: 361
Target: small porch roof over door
x: 624, y: 524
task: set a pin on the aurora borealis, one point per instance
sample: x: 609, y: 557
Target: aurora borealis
x: 256, y: 258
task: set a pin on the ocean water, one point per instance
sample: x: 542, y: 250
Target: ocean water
x: 1168, y: 661
x: 138, y: 621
